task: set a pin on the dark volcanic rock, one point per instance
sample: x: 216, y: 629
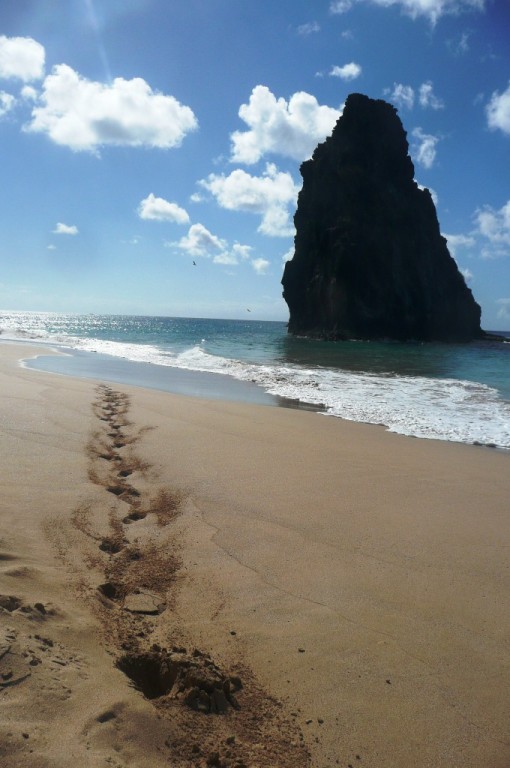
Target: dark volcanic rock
x: 369, y: 261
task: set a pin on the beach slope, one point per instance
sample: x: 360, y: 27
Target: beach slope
x: 186, y: 582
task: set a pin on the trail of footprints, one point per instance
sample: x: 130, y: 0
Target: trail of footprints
x: 132, y: 552
x: 140, y: 570
x: 139, y: 575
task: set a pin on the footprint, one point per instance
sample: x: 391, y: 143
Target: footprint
x: 111, y: 545
x: 22, y: 572
x: 133, y: 516
x: 10, y: 603
x: 104, y: 717
x: 112, y: 590
x: 5, y: 557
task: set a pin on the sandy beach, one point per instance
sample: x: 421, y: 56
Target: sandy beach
x: 188, y: 582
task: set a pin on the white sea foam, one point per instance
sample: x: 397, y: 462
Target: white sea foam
x: 443, y: 409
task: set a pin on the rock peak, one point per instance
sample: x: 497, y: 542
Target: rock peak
x: 369, y: 260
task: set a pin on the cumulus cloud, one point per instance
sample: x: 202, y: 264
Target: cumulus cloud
x: 200, y: 242
x: 425, y: 148
x: 433, y: 194
x: 29, y: 93
x: 65, y: 229
x: 340, y: 6
x: 236, y: 254
x: 84, y: 115
x: 158, y: 209
x: 288, y: 255
x: 268, y: 195
x: 428, y: 98
x: 7, y: 101
x: 494, y: 225
x: 260, y: 266
x: 242, y: 252
x: 292, y: 128
x: 430, y: 9
x: 226, y: 259
x: 21, y: 58
x: 401, y: 95
x: 348, y: 72
x: 456, y: 242
x: 467, y: 274
x: 498, y: 111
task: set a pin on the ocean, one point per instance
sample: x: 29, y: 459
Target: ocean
x: 456, y: 392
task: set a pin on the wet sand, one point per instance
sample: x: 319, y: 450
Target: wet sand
x: 194, y: 582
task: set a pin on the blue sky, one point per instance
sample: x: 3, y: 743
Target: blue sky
x: 151, y: 149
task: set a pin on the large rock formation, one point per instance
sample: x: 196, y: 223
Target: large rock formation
x: 369, y: 261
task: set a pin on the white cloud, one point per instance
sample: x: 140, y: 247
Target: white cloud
x: 51, y: 247
x: 425, y: 149
x: 348, y: 72
x: 498, y: 111
x: 29, y: 93
x: 401, y: 95
x: 433, y: 194
x: 65, y: 229
x: 433, y: 9
x: 340, y: 6
x: 309, y: 28
x: 226, y: 259
x: 292, y: 128
x: 494, y: 225
x: 428, y: 98
x: 21, y: 58
x: 200, y: 242
x: 157, y: 209
x: 459, y: 241
x: 467, y: 274
x: 84, y: 115
x: 430, y: 9
x: 268, y: 195
x: 242, y: 251
x: 288, y: 255
x: 7, y: 101
x: 260, y: 266
x: 237, y: 253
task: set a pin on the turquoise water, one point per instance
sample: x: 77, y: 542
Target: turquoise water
x: 441, y: 391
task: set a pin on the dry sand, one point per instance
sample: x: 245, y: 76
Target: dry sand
x: 335, y: 594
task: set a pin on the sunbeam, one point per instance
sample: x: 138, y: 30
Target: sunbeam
x: 96, y: 27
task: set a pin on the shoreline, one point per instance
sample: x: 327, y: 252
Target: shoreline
x: 356, y: 576
x: 95, y: 366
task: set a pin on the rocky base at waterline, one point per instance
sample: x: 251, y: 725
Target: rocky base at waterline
x: 370, y: 261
